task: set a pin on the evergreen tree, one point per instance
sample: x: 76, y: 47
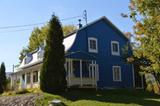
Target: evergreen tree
x: 52, y: 77
x: 3, y: 81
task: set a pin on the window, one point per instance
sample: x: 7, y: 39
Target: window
x: 93, y: 45
x: 35, y: 76
x: 28, y: 59
x: 40, y: 54
x: 28, y: 78
x: 115, y: 48
x: 116, y: 73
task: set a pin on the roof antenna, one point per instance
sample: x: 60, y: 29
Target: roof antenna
x: 85, y: 16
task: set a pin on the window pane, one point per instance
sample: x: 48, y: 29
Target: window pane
x: 92, y: 44
x: 116, y: 73
x: 35, y: 76
x: 28, y: 78
x: 115, y: 47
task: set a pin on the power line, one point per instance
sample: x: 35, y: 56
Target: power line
x: 8, y: 27
x: 69, y: 18
x: 27, y: 25
x: 15, y: 30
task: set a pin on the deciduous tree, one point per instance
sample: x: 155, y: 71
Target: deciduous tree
x: 146, y: 15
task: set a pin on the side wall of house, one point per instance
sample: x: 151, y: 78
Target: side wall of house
x: 105, y: 34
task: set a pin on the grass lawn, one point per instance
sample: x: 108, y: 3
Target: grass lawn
x: 104, y: 98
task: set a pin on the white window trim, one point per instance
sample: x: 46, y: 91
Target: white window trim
x: 114, y: 75
x: 113, y: 52
x: 92, y: 50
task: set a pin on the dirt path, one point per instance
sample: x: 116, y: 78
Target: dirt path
x: 19, y: 100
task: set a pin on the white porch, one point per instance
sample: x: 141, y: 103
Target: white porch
x: 26, y: 78
x: 81, y: 73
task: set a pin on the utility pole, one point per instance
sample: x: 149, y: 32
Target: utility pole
x: 13, y: 68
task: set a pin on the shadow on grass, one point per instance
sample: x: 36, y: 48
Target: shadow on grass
x: 138, y: 97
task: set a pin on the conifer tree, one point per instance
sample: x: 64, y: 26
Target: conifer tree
x: 3, y: 80
x: 52, y: 77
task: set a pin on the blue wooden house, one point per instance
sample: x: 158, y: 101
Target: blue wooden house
x: 93, y: 59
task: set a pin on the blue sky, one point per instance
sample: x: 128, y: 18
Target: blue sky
x: 20, y: 12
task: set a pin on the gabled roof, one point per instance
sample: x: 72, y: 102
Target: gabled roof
x: 94, y: 22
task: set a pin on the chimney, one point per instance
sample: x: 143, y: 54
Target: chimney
x: 80, y: 25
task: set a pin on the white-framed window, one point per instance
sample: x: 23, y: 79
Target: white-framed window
x: 116, y: 73
x: 28, y: 59
x: 40, y: 54
x: 115, y: 48
x: 93, y: 45
x: 28, y: 78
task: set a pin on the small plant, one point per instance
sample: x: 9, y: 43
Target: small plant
x: 23, y: 91
x: 34, y: 90
x: 8, y: 93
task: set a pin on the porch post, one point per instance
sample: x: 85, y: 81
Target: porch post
x: 21, y: 81
x: 69, y: 68
x: 92, y: 68
x: 95, y: 73
x: 81, y: 73
x: 39, y: 71
x: 25, y: 81
x: 31, y: 78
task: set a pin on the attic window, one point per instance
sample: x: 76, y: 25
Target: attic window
x: 115, y: 48
x: 92, y: 45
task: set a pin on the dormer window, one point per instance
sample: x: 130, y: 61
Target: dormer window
x: 93, y: 45
x: 28, y: 58
x: 115, y: 48
x: 40, y: 54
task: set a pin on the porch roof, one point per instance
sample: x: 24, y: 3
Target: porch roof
x: 80, y: 55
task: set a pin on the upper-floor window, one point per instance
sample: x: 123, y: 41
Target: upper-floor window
x: 116, y: 73
x: 92, y: 45
x: 115, y: 48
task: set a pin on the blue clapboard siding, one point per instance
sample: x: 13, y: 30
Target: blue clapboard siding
x: 105, y: 32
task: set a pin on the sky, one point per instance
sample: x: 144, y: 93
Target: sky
x: 24, y: 12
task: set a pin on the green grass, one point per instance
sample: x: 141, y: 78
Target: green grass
x: 103, y: 98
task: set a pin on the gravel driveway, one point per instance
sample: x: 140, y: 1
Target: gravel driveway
x: 19, y: 100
